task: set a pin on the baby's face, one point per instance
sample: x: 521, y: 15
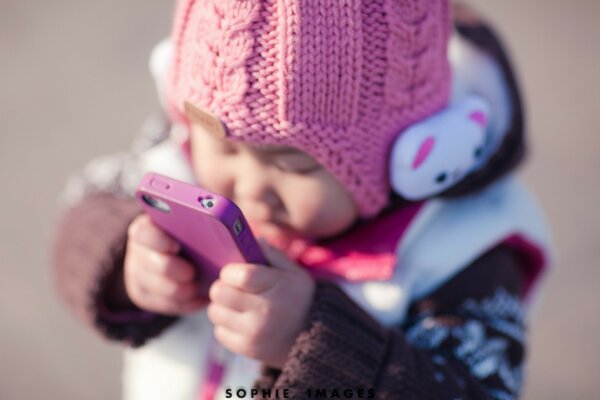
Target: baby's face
x: 282, y: 191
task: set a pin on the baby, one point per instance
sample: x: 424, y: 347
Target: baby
x: 291, y: 111
x: 284, y: 193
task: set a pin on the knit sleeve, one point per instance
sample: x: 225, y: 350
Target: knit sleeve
x: 464, y: 341
x: 88, y: 256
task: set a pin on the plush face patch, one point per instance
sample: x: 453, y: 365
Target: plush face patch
x: 438, y: 152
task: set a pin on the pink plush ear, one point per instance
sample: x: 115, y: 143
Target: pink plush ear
x: 423, y: 152
x: 479, y: 117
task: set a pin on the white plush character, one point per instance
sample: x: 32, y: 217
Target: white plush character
x: 438, y: 152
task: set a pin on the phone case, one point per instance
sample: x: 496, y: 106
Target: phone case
x: 211, y: 228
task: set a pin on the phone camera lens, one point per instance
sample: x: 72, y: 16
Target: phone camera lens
x: 156, y: 203
x: 208, y: 202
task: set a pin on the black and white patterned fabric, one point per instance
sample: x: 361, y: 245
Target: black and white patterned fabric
x: 485, y: 335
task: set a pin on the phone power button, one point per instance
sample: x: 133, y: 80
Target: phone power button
x: 159, y: 184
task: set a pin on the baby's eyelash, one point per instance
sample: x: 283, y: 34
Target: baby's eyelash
x: 296, y: 170
x: 310, y: 170
x: 284, y: 159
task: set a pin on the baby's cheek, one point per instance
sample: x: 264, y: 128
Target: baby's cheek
x: 326, y: 209
x: 338, y: 216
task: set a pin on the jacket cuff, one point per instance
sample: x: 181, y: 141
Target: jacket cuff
x: 341, y: 347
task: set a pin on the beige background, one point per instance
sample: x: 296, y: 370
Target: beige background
x: 73, y: 85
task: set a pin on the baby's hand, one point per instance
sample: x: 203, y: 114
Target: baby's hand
x: 258, y: 311
x: 156, y: 279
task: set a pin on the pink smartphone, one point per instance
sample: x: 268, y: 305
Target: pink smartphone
x: 211, y: 228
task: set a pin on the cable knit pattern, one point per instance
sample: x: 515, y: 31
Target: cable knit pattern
x: 218, y: 33
x: 336, y: 79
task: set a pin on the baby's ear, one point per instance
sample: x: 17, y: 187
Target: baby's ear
x: 477, y: 110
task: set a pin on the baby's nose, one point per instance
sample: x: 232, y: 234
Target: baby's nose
x: 256, y: 189
x: 258, y: 197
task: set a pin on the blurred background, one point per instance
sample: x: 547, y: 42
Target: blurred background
x: 74, y: 85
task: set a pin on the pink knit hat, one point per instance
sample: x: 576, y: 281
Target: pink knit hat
x: 336, y: 79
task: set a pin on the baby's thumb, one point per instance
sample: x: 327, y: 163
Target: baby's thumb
x: 144, y: 232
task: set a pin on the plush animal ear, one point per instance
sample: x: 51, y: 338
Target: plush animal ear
x: 477, y: 110
x: 407, y: 146
x: 423, y: 152
x: 479, y: 118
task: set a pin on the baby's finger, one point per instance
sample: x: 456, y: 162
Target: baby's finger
x: 146, y: 300
x: 233, y: 341
x: 151, y: 302
x: 145, y: 233
x: 231, y: 297
x: 170, y: 290
x: 251, y: 278
x: 226, y: 318
x: 169, y: 266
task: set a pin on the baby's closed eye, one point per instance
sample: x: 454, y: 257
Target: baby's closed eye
x: 299, y: 163
x: 288, y: 159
